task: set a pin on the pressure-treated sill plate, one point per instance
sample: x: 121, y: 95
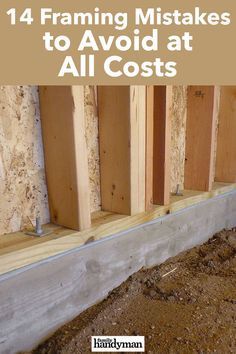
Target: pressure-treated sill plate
x: 44, y: 233
x: 19, y: 250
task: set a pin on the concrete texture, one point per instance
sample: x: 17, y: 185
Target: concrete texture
x: 36, y: 300
x: 23, y: 191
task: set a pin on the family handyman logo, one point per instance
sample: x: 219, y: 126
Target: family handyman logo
x: 117, y: 344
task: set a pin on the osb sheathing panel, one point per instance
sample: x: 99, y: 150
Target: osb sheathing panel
x: 178, y: 133
x: 23, y: 191
x: 91, y: 131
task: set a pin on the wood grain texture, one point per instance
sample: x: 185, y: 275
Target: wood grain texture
x: 62, y: 113
x: 226, y: 144
x: 122, y: 148
x: 92, y: 141
x: 105, y: 224
x: 162, y: 141
x: 149, y: 146
x: 137, y: 148
x: 200, y: 138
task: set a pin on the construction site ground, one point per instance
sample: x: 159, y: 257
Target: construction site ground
x: 186, y: 305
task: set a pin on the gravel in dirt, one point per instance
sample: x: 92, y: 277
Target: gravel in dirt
x: 185, y: 305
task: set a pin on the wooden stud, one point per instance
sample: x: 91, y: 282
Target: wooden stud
x: 162, y: 141
x: 122, y: 114
x: 138, y: 147
x: 200, y: 138
x: 62, y: 112
x: 149, y: 146
x: 226, y: 144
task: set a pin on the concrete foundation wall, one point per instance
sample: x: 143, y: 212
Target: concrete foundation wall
x: 36, y: 300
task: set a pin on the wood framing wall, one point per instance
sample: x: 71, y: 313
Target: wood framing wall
x: 135, y: 139
x: 121, y: 149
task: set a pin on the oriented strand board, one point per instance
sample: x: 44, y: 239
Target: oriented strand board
x: 92, y: 140
x: 178, y: 114
x: 23, y: 192
x: 226, y: 151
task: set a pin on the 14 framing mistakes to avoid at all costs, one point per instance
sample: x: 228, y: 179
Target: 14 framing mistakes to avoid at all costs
x: 125, y: 35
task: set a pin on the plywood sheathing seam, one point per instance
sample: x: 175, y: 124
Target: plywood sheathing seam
x: 22, y: 179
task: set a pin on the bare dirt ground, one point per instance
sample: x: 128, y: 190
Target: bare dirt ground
x: 190, y: 310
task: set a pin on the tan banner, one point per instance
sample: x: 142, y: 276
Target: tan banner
x: 117, y: 42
